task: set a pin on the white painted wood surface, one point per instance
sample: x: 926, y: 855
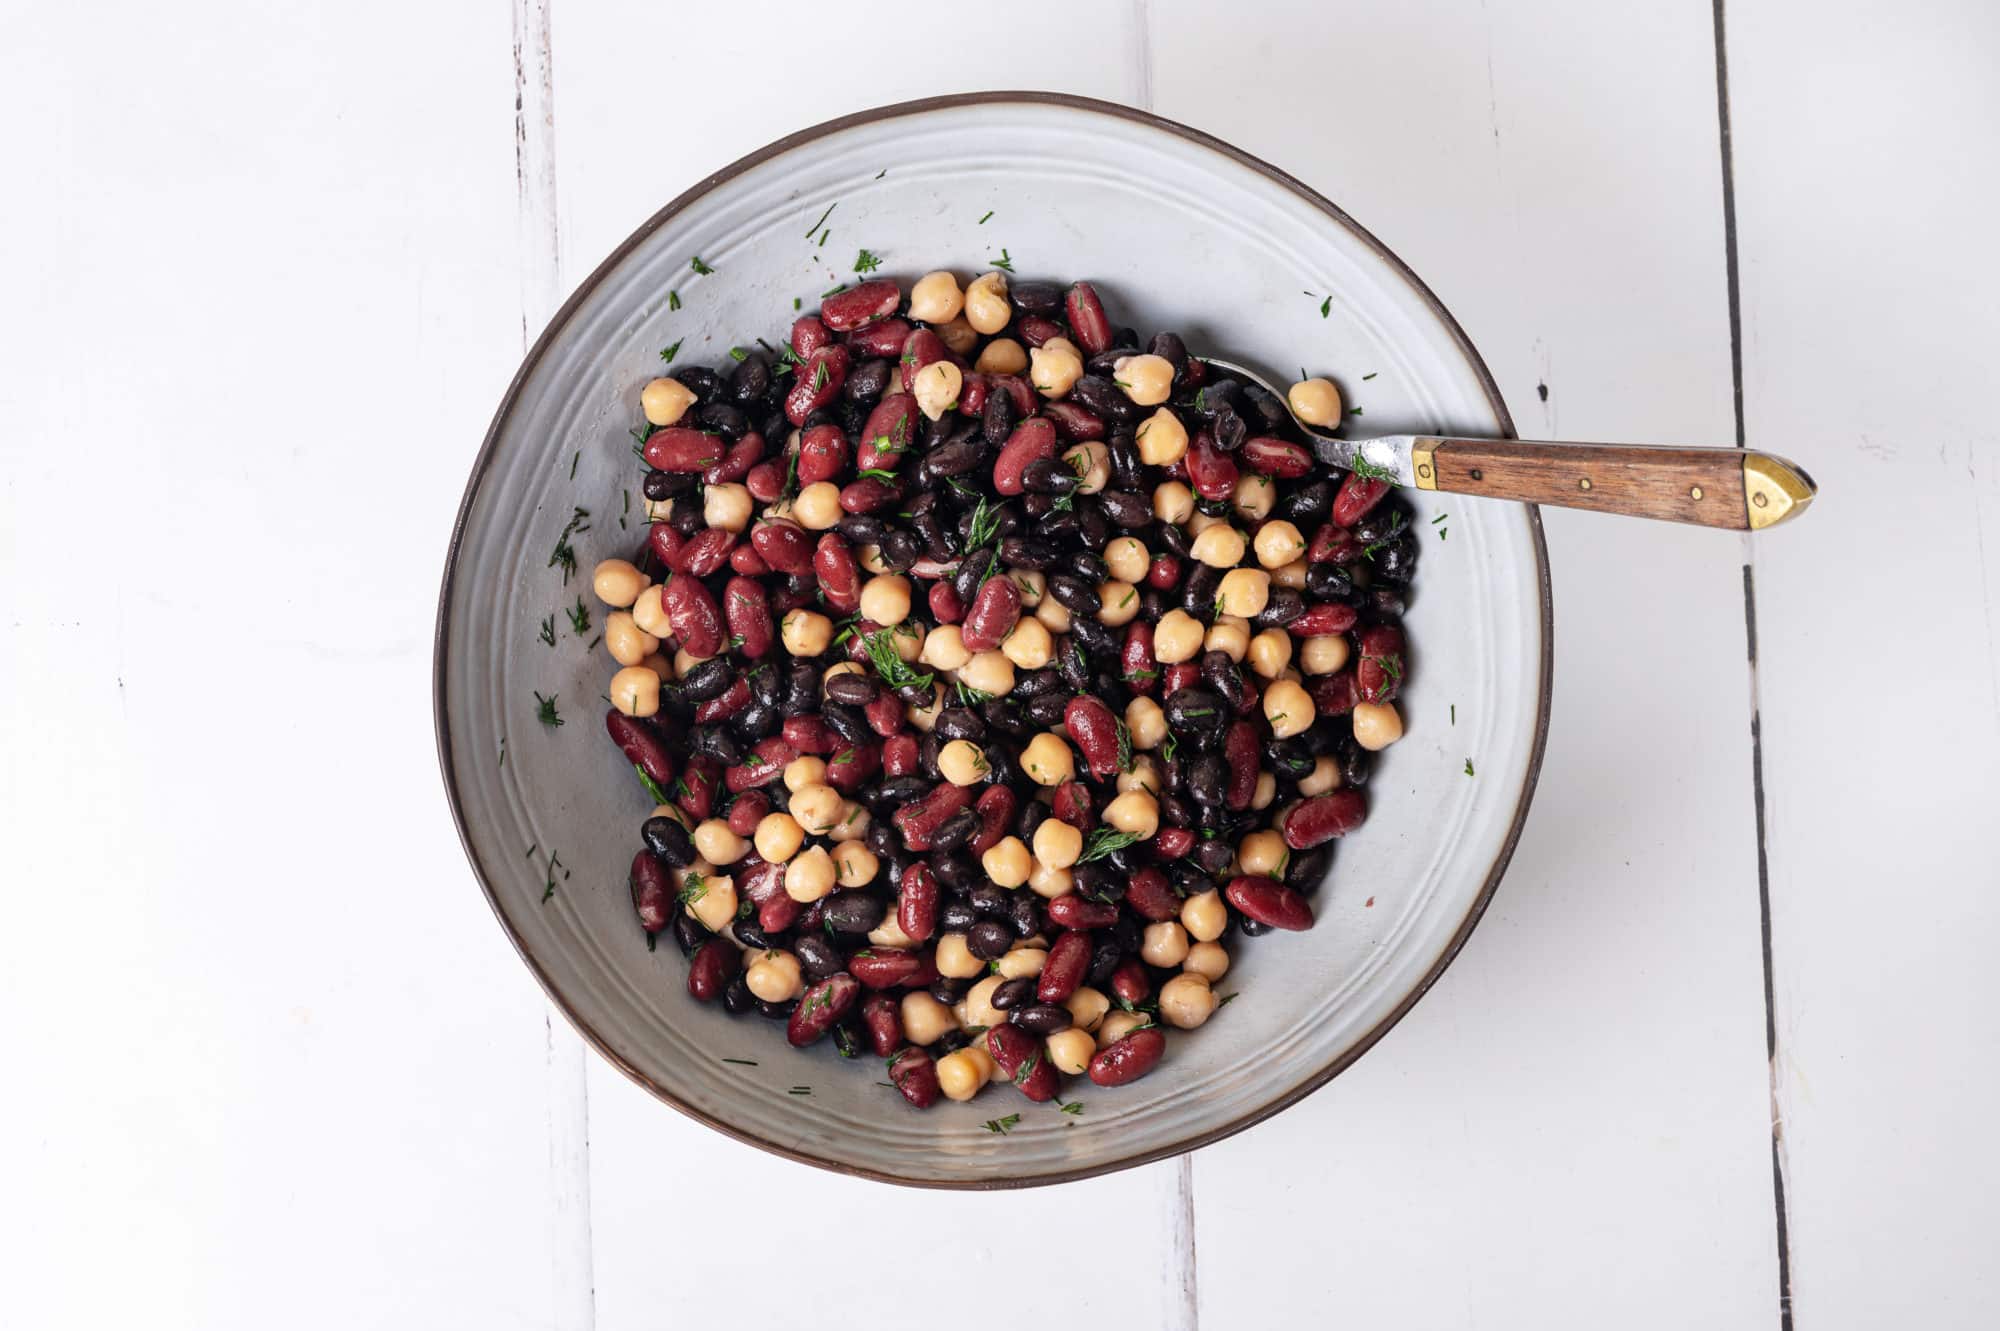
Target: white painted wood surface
x: 271, y: 1059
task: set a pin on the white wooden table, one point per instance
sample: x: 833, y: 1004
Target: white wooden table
x: 1722, y: 1053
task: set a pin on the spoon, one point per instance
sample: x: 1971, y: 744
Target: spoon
x: 1709, y: 487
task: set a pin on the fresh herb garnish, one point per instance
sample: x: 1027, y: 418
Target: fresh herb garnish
x: 1225, y: 1000
x: 545, y: 710
x: 1103, y: 841
x: 549, y: 880
x: 1001, y: 1125
x: 1070, y: 1106
x: 693, y: 888
x: 1454, y: 713
x: 1027, y: 1069
x: 1325, y: 307
x: 1354, y: 411
x: 673, y: 300
x: 1468, y: 767
x: 867, y: 261
x: 833, y: 291
x: 890, y: 665
x: 822, y: 219
x: 1124, y: 746
x: 574, y: 458
x: 984, y: 527
x: 1005, y: 261
x: 989, y: 213
x: 738, y: 354
x: 1395, y: 530
x: 1370, y: 375
x: 876, y: 473
x: 742, y: 1062
x: 548, y: 633
x: 564, y: 556
x: 971, y: 697
x: 652, y: 786
x: 823, y: 235
x: 1369, y: 471
x: 579, y: 618
x: 700, y: 267
x: 672, y: 351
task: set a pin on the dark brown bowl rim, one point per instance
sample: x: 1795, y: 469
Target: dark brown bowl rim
x: 786, y: 144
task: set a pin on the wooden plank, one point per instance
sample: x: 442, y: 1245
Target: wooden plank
x: 270, y: 1058
x: 1574, y: 1121
x: 1866, y: 185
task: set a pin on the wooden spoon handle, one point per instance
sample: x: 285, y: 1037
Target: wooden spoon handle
x: 1710, y: 487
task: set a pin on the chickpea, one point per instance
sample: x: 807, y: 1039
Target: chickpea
x: 1144, y: 775
x: 1032, y: 585
x: 989, y: 672
x: 1254, y: 496
x: 1173, y: 502
x: 817, y: 507
x: 958, y: 336
x: 1230, y: 635
x: 1047, y: 881
x: 888, y: 933
x: 1279, y: 543
x: 1087, y: 1007
x: 961, y: 1075
x: 1288, y: 707
x: 1186, y: 1001
x: 1029, y: 644
x: 1164, y: 943
x: 944, y: 648
x: 1323, y: 656
x: 1003, y: 355
x: 1119, y: 602
x: 1148, y: 380
x: 963, y: 763
x: 923, y: 718
x: 1146, y: 722
x: 852, y: 824
x: 815, y: 808
x: 1267, y: 790
x: 1070, y: 1050
x: 1204, y: 916
x: 925, y: 1020
x: 1117, y: 1026
x: 1162, y: 439
x: 805, y: 632
x: 1377, y: 725
x: 628, y: 644
x: 1177, y: 637
x: 936, y: 298
x: 936, y: 388
x: 712, y: 901
x: 781, y: 510
x: 885, y: 598
x: 986, y: 307
x: 1091, y: 462
x: 1219, y: 546
x: 1057, y: 844
x: 1324, y: 776
x: 775, y: 977
x: 1199, y: 522
x: 1022, y: 961
x: 1128, y: 559
x: 655, y: 510
x: 854, y: 865
x: 660, y: 666
x: 715, y: 842
x: 618, y: 582
x: 778, y: 837
x: 984, y: 1058
x: 804, y: 770
x: 954, y: 960
x: 1054, y: 370
x: 665, y: 401
x: 650, y: 614
x: 726, y: 506
x: 635, y: 691
x: 1208, y: 960
x: 809, y: 875
x: 1047, y: 760
x: 1007, y: 863
x: 684, y: 661
x: 869, y: 556
x: 1135, y: 812
x: 1244, y: 591
x: 1291, y: 575
x: 1052, y: 615
x: 1316, y: 402
x: 1270, y: 652
x: 979, y: 1009
x: 1263, y: 854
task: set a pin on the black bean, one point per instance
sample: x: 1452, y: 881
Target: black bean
x: 659, y: 485
x: 717, y: 743
x: 1026, y: 913
x: 955, y: 831
x: 1048, y: 476
x: 1092, y: 527
x: 1388, y: 603
x: 751, y: 379
x: 1041, y: 1018
x: 1018, y: 992
x: 1192, y: 709
x: 900, y: 549
x: 1219, y: 672
x: 688, y: 933
x: 1396, y: 563
x: 1032, y: 815
x: 917, y: 695
x: 1282, y: 607
x: 1268, y: 411
x: 953, y: 458
x: 1289, y: 759
x: 1208, y: 777
x: 754, y: 938
x: 1073, y: 665
x: 1382, y: 523
x: 1045, y: 710
x: 1153, y: 605
x: 1356, y: 766
x: 777, y: 1011
x: 989, y: 899
x: 848, y: 1039
x: 1187, y: 879
x: 1104, y: 959
x: 852, y: 689
x: 956, y: 917
x: 1101, y: 397
x: 760, y: 720
x: 1212, y: 857
x: 1003, y: 714
x: 1228, y: 430
x: 1173, y: 539
x: 930, y: 532
x: 737, y: 998
x: 668, y: 841
x: 1170, y: 348
x: 1328, y: 582
x: 1043, y: 298
x: 709, y: 679
x: 801, y: 689
x: 957, y: 872
x: 1251, y: 928
x: 971, y: 573
x: 905, y: 789
x: 867, y: 381
x: 1198, y: 592
x: 928, y: 750
x: 848, y: 722
x: 862, y: 529
x: 959, y: 723
x: 1028, y: 552
x: 853, y: 912
x: 988, y: 940
x: 882, y: 838
x: 1125, y: 461
x: 998, y: 419
x: 951, y: 1041
x: 703, y: 382
x: 1312, y: 500
x: 1095, y: 635
x: 686, y: 518
x: 724, y: 419
x: 1306, y: 869
x: 1035, y: 683
x: 1125, y: 509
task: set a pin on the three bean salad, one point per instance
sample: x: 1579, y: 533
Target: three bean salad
x: 992, y: 677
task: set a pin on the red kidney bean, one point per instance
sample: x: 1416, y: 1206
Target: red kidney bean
x: 845, y: 311
x: 737, y: 462
x: 1093, y: 729
x: 822, y: 454
x: 1244, y: 757
x: 810, y: 734
x: 701, y: 778
x: 885, y: 714
x: 747, y: 810
x: 899, y: 752
x: 1020, y: 1058
x: 1170, y: 843
x: 748, y: 611
x: 1086, y: 318
x: 820, y: 1007
x: 724, y: 705
x: 1076, y: 912
x: 816, y: 382
x: 1128, y: 1059
x: 783, y: 545
x: 870, y: 494
x: 808, y: 335
x: 1378, y: 676
x: 921, y: 348
x: 972, y: 394
x: 1035, y: 330
x: 712, y: 967
x: 1178, y: 676
x: 664, y: 542
x: 1357, y: 496
x: 642, y: 746
x: 880, y: 339
x: 759, y: 881
x: 995, y: 611
x: 765, y: 481
x: 1072, y: 804
x: 852, y: 767
x: 919, y: 820
x: 765, y: 765
x: 703, y: 553
x: 1165, y: 573
x: 1129, y: 981
x: 1333, y: 545
x: 996, y: 807
x: 1068, y: 963
x: 946, y: 608
x: 678, y: 448
x: 1323, y: 620
x: 914, y: 1073
x: 1276, y: 457
x: 1323, y: 817
x: 1211, y: 471
x: 1335, y: 694
x: 744, y: 559
x: 1149, y: 893
x: 779, y: 913
x: 1268, y: 901
x: 1135, y: 659
x: 1033, y: 439
x: 652, y: 894
x: 884, y: 967
x: 1074, y: 424
x: 693, y: 614
x: 1026, y: 400
x: 891, y: 429
x: 882, y: 1015
x: 839, y: 574
x: 917, y: 902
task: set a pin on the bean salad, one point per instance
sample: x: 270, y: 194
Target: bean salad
x: 992, y: 677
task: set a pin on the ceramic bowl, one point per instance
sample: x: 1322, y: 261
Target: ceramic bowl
x: 1179, y: 231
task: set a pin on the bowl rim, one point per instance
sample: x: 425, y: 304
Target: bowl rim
x: 896, y: 110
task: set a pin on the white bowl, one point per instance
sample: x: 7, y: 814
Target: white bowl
x: 1179, y: 232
